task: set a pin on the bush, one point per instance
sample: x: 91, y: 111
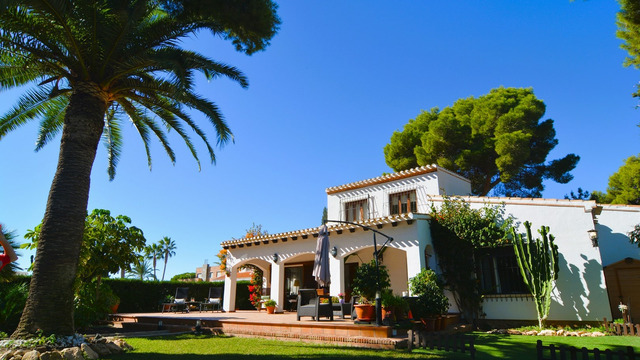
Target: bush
x: 13, y: 297
x: 430, y: 296
x: 93, y: 303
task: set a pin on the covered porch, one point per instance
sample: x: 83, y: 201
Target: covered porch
x: 286, y: 259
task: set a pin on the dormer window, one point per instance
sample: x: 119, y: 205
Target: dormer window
x: 356, y: 211
x: 403, y: 202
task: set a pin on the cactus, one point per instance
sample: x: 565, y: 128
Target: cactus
x: 538, y: 263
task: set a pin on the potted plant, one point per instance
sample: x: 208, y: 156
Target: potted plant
x: 431, y: 301
x: 393, y: 305
x: 270, y: 305
x: 366, y: 284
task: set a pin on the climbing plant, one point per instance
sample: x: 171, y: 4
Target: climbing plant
x: 538, y: 263
x: 458, y: 231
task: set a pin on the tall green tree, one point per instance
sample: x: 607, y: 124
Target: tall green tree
x: 168, y: 249
x: 153, y: 252
x: 628, y: 20
x: 108, y: 244
x: 93, y: 64
x: 498, y: 141
x: 141, y: 269
x: 624, y: 185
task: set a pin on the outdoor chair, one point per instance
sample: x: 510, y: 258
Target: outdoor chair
x: 214, y: 301
x: 179, y: 302
x: 348, y: 309
x: 309, y: 304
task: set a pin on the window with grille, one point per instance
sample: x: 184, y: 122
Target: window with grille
x: 499, y: 273
x: 402, y: 203
x: 356, y: 210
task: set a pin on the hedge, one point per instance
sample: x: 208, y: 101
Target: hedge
x: 147, y: 296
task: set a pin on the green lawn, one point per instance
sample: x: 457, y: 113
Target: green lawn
x: 190, y: 347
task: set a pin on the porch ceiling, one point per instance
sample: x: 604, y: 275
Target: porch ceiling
x: 394, y: 220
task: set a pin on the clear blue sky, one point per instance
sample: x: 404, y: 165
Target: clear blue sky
x: 324, y: 99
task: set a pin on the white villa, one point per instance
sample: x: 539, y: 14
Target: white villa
x: 598, y: 266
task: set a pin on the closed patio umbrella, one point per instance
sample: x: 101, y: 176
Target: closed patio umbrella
x: 321, y: 263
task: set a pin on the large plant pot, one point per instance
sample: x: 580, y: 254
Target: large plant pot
x: 365, y: 312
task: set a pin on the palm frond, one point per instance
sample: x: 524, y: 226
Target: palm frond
x: 33, y: 103
x: 52, y: 121
x: 112, y: 137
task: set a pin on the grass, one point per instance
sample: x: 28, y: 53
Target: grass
x: 191, y: 347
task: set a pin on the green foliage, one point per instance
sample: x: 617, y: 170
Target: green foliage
x: 579, y: 195
x: 13, y: 297
x: 184, y: 276
x: 634, y: 235
x: 624, y: 185
x: 458, y: 231
x: 141, y: 269
x: 496, y: 140
x: 270, y: 302
x: 108, y: 245
x: 431, y: 298
x: 628, y: 20
x: 365, y: 282
x: 93, y: 302
x: 538, y: 263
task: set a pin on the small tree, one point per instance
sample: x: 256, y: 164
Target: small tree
x: 367, y: 280
x: 538, y: 263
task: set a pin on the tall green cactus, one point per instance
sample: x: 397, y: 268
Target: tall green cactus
x: 538, y: 263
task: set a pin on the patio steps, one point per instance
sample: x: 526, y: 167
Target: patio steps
x: 326, y: 332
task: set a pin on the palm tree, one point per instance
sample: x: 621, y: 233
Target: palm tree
x: 141, y: 269
x: 168, y: 249
x: 152, y: 252
x: 93, y: 65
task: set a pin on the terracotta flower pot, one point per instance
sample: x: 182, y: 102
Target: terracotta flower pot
x: 365, y: 312
x: 271, y: 309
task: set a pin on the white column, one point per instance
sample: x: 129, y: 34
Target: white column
x: 277, y: 284
x: 230, y: 281
x: 415, y: 255
x: 336, y: 266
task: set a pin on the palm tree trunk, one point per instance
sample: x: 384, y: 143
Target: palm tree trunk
x: 49, y: 305
x: 166, y: 258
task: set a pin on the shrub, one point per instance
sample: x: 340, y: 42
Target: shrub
x: 431, y: 299
x: 12, y: 299
x: 365, y: 282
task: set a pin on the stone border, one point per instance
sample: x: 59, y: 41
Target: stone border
x: 94, y: 348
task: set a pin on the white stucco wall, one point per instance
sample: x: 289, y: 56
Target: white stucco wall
x: 614, y: 224
x: 580, y: 292
x: 439, y: 182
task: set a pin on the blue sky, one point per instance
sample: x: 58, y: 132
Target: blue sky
x: 325, y: 98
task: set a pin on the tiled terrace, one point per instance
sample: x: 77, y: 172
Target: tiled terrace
x: 260, y: 324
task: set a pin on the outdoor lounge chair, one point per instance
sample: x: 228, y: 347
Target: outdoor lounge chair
x: 179, y: 302
x: 214, y: 300
x: 348, y: 309
x: 309, y: 304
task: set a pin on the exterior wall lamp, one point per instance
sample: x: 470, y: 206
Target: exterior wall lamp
x: 274, y: 257
x: 593, y: 235
x: 334, y: 251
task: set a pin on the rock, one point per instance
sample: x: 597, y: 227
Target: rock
x: 6, y: 355
x: 31, y: 355
x: 102, y: 349
x: 115, y: 349
x: 573, y: 333
x: 51, y: 355
x: 597, y: 333
x: 123, y: 344
x: 531, y: 333
x: 90, y: 354
x: 561, y: 332
x: 514, y: 332
x: 547, y: 333
x: 73, y: 353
